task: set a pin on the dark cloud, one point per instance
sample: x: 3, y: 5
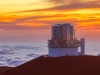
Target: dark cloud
x: 56, y: 1
x: 73, y: 1
x: 13, y: 26
x: 88, y: 27
x: 22, y: 23
x: 34, y: 18
x: 76, y: 5
x: 88, y: 20
x: 72, y: 5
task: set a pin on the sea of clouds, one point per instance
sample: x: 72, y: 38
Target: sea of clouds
x: 17, y: 54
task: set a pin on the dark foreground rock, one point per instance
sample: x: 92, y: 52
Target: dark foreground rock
x: 3, y: 69
x: 68, y: 65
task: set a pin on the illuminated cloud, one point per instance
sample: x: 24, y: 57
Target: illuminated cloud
x: 19, y: 26
x: 28, y: 18
x: 69, y: 5
x: 27, y: 14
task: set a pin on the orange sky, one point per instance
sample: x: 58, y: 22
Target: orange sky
x: 41, y: 14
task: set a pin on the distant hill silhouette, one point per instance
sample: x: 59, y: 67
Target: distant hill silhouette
x: 67, y: 65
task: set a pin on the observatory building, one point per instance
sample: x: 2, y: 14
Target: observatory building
x: 64, y: 41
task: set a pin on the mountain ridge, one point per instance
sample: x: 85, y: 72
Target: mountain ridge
x: 66, y: 65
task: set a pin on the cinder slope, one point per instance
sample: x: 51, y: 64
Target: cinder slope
x: 68, y: 65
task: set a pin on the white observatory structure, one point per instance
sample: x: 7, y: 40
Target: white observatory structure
x: 64, y: 42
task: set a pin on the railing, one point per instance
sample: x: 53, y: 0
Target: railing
x: 63, y: 43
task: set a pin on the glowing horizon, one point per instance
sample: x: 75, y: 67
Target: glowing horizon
x: 40, y: 14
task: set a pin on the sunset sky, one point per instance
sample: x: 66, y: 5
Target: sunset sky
x: 22, y: 20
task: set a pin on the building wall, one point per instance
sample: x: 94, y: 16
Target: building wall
x: 66, y: 31
x: 57, y: 32
x: 56, y: 52
x: 63, y: 32
x: 72, y: 32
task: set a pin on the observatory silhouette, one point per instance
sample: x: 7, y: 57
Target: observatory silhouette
x: 64, y: 41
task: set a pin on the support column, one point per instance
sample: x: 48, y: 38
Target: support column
x: 82, y: 45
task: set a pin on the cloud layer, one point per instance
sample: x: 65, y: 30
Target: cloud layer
x: 82, y: 13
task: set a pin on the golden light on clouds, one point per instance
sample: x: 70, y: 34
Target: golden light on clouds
x: 21, y: 5
x: 84, y: 13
